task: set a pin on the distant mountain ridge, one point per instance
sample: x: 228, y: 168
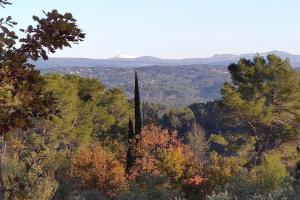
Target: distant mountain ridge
x: 121, y: 61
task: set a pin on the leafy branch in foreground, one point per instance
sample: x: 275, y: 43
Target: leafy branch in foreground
x: 21, y: 88
x: 4, y: 2
x: 22, y: 95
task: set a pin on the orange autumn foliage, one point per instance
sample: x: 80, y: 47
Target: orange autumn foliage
x: 195, y: 181
x: 162, y: 153
x: 99, y: 169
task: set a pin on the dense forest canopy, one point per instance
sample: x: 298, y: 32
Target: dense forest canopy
x: 179, y: 85
x: 66, y: 137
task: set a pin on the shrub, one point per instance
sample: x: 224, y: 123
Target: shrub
x: 221, y: 170
x: 217, y: 138
x: 161, y: 153
x: 221, y: 196
x: 272, y: 172
x: 268, y: 181
x: 148, y: 187
x: 98, y: 169
x: 86, y: 195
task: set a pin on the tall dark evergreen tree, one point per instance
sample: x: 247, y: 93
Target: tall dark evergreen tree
x: 133, y: 134
x: 137, y: 107
x: 131, y: 142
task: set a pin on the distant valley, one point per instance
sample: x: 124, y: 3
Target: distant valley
x: 168, y: 81
x: 177, y: 85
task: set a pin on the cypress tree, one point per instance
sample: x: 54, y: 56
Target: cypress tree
x: 130, y: 152
x: 137, y: 107
x: 130, y: 131
x: 131, y: 156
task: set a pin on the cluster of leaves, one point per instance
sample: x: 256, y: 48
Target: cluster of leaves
x: 21, y: 88
x: 263, y: 97
x: 229, y: 178
x: 28, y: 166
x: 97, y: 168
x: 161, y: 153
x: 88, y: 109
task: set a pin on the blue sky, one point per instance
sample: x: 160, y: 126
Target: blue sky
x: 173, y: 28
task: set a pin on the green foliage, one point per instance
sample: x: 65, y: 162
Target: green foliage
x: 23, y: 101
x: 269, y: 179
x: 286, y: 192
x: 152, y: 113
x: 263, y: 98
x: 149, y: 187
x: 134, y: 135
x: 87, y: 110
x: 179, y: 119
x: 272, y: 172
x: 137, y: 107
x: 180, y: 85
x: 221, y: 170
x: 86, y: 195
x: 218, y: 139
x: 220, y: 196
x: 243, y: 145
x: 21, y: 88
x: 208, y: 115
x: 29, y: 165
x: 242, y: 185
x: 83, y: 195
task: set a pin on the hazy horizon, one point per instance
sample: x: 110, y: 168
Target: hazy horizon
x: 173, y: 58
x: 173, y: 29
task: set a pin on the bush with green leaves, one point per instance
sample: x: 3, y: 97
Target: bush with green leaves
x: 221, y: 196
x: 270, y: 179
x: 272, y: 173
x: 150, y: 187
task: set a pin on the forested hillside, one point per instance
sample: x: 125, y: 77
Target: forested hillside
x: 70, y: 137
x: 173, y: 85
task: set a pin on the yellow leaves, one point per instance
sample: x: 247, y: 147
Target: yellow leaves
x: 172, y: 162
x: 221, y: 169
x: 16, y: 145
x: 161, y: 153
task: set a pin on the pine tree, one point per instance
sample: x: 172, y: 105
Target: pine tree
x: 137, y: 107
x: 130, y: 153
